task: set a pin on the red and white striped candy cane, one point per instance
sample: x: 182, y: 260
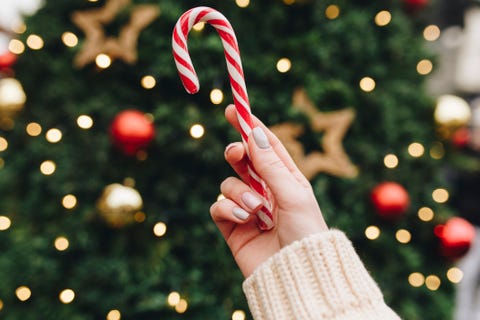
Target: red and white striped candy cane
x: 237, y: 82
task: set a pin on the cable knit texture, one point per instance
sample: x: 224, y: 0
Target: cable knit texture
x: 319, y: 277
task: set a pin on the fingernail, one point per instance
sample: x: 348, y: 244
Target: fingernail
x: 240, y: 213
x: 251, y: 201
x: 230, y: 147
x: 260, y: 138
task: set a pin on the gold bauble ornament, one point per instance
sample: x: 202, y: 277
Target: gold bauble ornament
x: 118, y: 205
x: 452, y: 111
x: 12, y: 97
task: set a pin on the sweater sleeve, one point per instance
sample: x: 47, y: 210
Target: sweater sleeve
x: 319, y: 277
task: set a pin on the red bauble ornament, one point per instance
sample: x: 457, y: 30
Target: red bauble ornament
x: 7, y: 59
x: 131, y: 131
x: 415, y: 5
x: 461, y: 137
x: 390, y: 200
x: 456, y: 236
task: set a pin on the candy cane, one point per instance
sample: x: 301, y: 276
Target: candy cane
x: 237, y: 82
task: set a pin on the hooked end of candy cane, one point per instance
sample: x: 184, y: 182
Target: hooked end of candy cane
x: 191, y: 84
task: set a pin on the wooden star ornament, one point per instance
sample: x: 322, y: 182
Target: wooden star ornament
x: 334, y: 126
x: 124, y: 47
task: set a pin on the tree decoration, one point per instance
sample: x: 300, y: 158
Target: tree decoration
x: 390, y: 200
x: 415, y: 5
x: 461, y: 137
x: 456, y: 236
x: 333, y: 160
x: 92, y: 23
x: 118, y: 204
x: 7, y: 59
x: 131, y: 131
x: 12, y: 97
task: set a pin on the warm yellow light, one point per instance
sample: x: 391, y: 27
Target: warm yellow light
x: 69, y: 201
x: 53, y: 135
x: 197, y: 131
x: 2, y: 163
x: 425, y: 214
x: 48, y: 167
x: 440, y: 195
x: 372, y: 232
x: 403, y: 236
x: 432, y: 282
x: 367, y: 84
x: 67, y: 296
x: 242, y: 3
x: 23, y: 293
x: 383, y: 18
x: 84, y: 121
x: 69, y: 39
x: 34, y: 42
x: 33, y: 129
x: 103, y: 61
x: 199, y: 26
x: 416, y: 149
x: 216, y: 96
x: 332, y: 11
x: 390, y: 161
x: 5, y: 223
x: 61, y: 243
x: 455, y: 275
x: 452, y: 110
x: 238, y: 315
x: 416, y: 279
x: 139, y: 216
x: 181, y: 306
x: 19, y: 28
x: 424, y: 67
x: 1, y: 304
x: 220, y: 197
x: 289, y: 2
x: 284, y: 65
x: 148, y: 82
x: 3, y: 144
x: 431, y: 32
x: 16, y: 46
x: 160, y: 229
x: 114, y: 315
x: 437, y: 151
x: 173, y: 298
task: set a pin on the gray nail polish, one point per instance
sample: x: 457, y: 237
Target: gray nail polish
x: 240, y: 213
x: 251, y: 201
x: 260, y: 138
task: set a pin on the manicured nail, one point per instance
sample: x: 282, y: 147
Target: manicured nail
x: 260, y: 138
x: 240, y: 213
x: 230, y: 147
x: 251, y: 201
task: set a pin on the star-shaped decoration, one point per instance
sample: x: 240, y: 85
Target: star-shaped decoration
x: 334, y: 126
x: 92, y: 23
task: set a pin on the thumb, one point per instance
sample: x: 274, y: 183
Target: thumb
x: 269, y: 165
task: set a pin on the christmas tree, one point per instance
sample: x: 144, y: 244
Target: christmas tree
x: 109, y: 171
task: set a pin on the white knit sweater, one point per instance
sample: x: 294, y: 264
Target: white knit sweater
x: 319, y: 277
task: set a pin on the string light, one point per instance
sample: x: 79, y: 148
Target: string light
x: 455, y: 275
x: 437, y: 151
x: 372, y: 232
x: 238, y: 315
x: 114, y: 315
x: 5, y: 223
x: 69, y: 39
x: 61, y: 243
x: 84, y: 121
x: 33, y: 129
x: 383, y: 18
x: 197, y: 131
x: 16, y: 46
x: 34, y: 42
x: 23, y: 293
x: 181, y: 306
x: 242, y: 3
x: 139, y: 216
x: 103, y: 61
x: 148, y: 82
x: 3, y: 144
x: 160, y: 229
x: 289, y: 2
x: 390, y: 161
x: 173, y: 298
x: 216, y: 96
x: 69, y: 201
x: 431, y: 32
x: 2, y: 163
x: 416, y: 279
x: 284, y: 65
x: 424, y: 67
x: 19, y: 28
x: 199, y: 26
x: 48, y: 167
x: 432, y: 282
x: 440, y: 195
x: 416, y: 149
x: 332, y: 12
x: 53, y: 135
x: 425, y: 214
x: 367, y: 84
x: 403, y: 236
x: 1, y: 305
x: 67, y: 296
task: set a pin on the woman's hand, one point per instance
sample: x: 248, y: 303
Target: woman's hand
x: 295, y: 210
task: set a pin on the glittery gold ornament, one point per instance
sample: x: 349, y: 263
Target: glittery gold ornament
x: 118, y: 205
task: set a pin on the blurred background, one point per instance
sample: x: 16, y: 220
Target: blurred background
x: 108, y: 167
